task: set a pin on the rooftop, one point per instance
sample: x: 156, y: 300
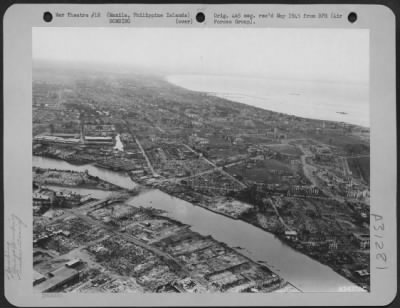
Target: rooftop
x: 57, y: 277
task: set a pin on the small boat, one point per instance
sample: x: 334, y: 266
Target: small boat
x: 341, y: 112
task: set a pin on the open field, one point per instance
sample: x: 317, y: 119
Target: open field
x: 285, y: 149
x: 267, y: 171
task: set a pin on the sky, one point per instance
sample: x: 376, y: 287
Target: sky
x: 340, y: 55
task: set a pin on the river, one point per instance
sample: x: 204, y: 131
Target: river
x: 303, y: 272
x: 120, y: 179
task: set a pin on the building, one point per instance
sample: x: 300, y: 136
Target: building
x: 358, y: 194
x: 55, y: 139
x: 37, y: 278
x: 68, y: 199
x: 362, y: 239
x: 195, y: 140
x: 238, y: 140
x: 57, y: 278
x: 291, y: 235
x: 41, y: 200
x: 332, y: 244
x: 304, y: 190
x: 99, y: 140
x: 73, y: 263
x: 362, y: 273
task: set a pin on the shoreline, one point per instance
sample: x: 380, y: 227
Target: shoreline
x: 196, y: 204
x: 83, y: 187
x: 229, y: 96
x: 112, y: 187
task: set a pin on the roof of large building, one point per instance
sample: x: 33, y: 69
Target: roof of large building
x: 37, y: 276
x: 361, y: 236
x: 73, y: 262
x: 40, y: 196
x: 59, y: 276
x: 56, y: 139
x: 100, y: 138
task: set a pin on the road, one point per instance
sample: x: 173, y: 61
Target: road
x: 138, y: 242
x: 218, y: 168
x: 94, y: 204
x: 142, y: 150
x: 235, y: 163
x: 309, y: 174
x: 279, y: 215
x: 307, y: 168
x: 59, y: 98
x: 178, y: 179
x: 345, y: 165
x: 125, y: 236
x: 224, y: 190
x: 175, y: 179
x: 356, y: 156
x: 145, y: 156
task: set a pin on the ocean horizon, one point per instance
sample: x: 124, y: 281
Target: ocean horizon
x: 321, y: 100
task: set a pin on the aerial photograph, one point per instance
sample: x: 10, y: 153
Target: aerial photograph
x: 200, y: 160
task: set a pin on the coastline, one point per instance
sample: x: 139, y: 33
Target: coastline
x: 274, y: 103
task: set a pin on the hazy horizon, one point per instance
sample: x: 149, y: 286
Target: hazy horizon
x: 332, y: 55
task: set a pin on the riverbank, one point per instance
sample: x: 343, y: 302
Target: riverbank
x: 286, y: 286
x: 259, y: 245
x: 326, y: 258
x: 171, y: 254
x: 222, y: 205
x: 200, y: 204
x: 77, y: 162
x: 84, y: 186
x: 276, y: 281
x: 69, y: 178
x: 117, y: 178
x: 162, y: 214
